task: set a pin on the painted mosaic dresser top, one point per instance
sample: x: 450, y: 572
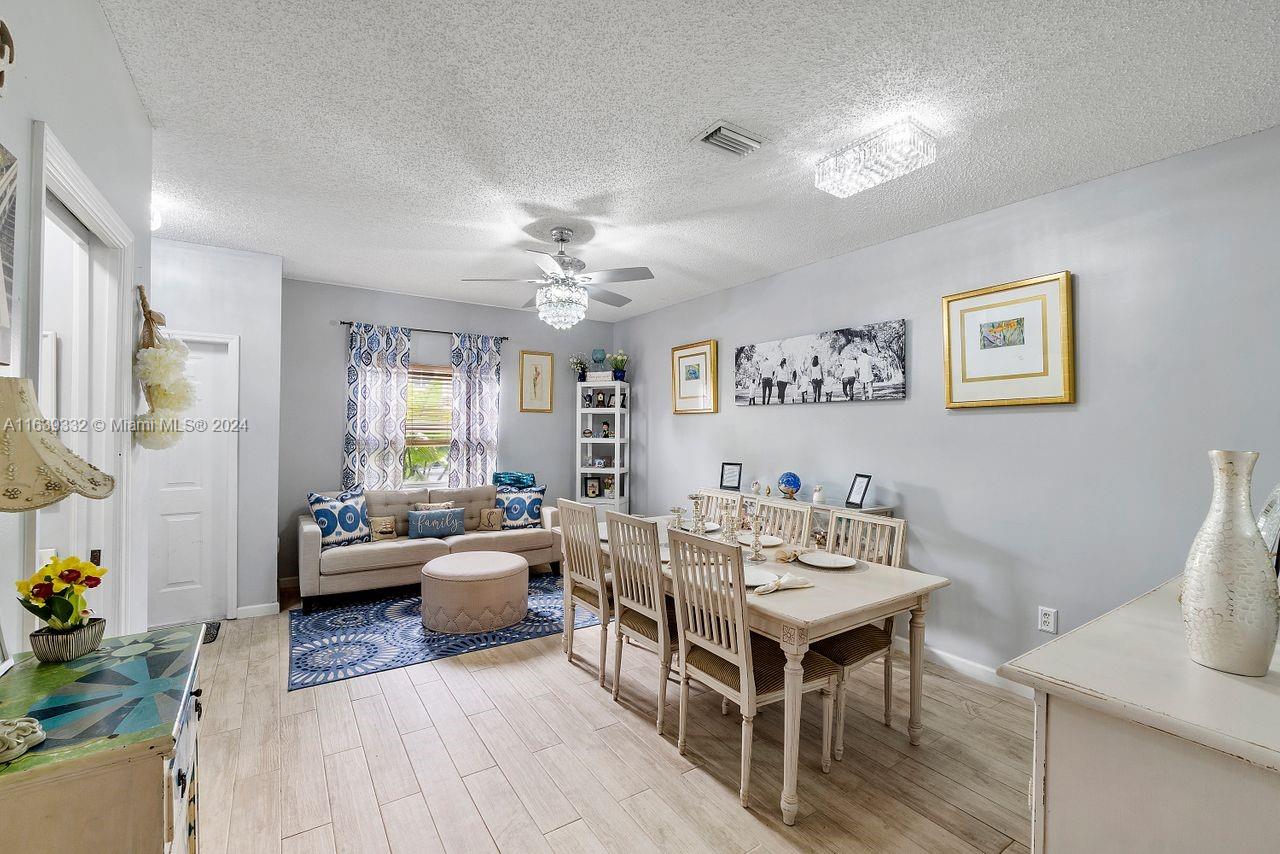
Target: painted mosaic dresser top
x: 126, y: 694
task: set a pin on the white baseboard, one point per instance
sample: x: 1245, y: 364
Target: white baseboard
x: 965, y: 667
x: 263, y: 610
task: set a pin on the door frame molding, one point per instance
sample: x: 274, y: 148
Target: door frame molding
x: 232, y: 508
x: 54, y: 170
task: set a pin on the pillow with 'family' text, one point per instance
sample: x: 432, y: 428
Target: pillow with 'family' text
x: 521, y: 508
x: 343, y: 518
x: 435, y: 523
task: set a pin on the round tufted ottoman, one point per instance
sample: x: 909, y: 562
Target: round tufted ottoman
x: 472, y: 592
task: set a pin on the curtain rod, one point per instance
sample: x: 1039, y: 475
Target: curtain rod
x: 432, y: 331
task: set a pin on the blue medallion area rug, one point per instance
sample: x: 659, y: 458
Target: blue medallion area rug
x: 372, y: 635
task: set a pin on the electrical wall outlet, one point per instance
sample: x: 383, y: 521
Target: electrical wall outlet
x: 1048, y: 620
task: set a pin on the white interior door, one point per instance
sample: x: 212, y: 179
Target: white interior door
x: 192, y: 495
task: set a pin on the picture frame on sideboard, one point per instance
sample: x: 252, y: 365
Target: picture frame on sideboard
x: 858, y: 491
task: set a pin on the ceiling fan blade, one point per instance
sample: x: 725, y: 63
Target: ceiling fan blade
x: 622, y: 274
x: 522, y: 281
x: 531, y: 303
x: 547, y: 262
x: 606, y: 297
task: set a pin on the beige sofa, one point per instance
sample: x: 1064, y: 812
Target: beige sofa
x: 391, y: 563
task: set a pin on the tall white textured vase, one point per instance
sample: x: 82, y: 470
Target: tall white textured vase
x: 1230, y: 602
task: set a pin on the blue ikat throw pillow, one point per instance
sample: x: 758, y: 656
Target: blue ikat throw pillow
x: 435, y: 523
x: 343, y: 519
x: 504, y: 480
x: 521, y: 508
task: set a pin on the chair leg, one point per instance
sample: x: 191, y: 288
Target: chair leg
x: 724, y: 705
x: 840, y: 701
x: 828, y: 711
x: 684, y: 711
x: 604, y: 649
x: 617, y: 660
x: 664, y: 670
x: 744, y: 787
x: 570, y: 616
x: 888, y: 688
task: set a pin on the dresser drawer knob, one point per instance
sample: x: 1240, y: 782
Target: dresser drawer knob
x: 199, y: 710
x: 199, y: 692
x: 182, y: 781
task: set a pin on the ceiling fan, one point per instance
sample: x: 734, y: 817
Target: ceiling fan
x: 564, y: 288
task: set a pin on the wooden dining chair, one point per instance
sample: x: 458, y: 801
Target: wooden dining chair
x: 645, y: 614
x: 586, y: 583
x: 876, y: 539
x: 717, y: 648
x: 786, y: 518
x: 721, y: 506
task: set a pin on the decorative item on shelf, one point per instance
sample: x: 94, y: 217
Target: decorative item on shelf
x: 591, y: 486
x: 855, y: 363
x: 55, y: 595
x: 609, y: 486
x: 755, y: 487
x: 597, y: 358
x: 612, y: 401
x: 599, y: 376
x: 731, y: 476
x: 606, y: 430
x: 1230, y: 603
x: 599, y: 462
x: 618, y: 362
x: 757, y: 554
x: 789, y: 484
x: 586, y: 398
x: 1269, y: 525
x: 622, y: 403
x: 694, y: 383
x: 602, y: 400
x: 161, y: 367
x: 818, y: 494
x: 36, y: 469
x: 586, y: 433
x: 578, y: 364
x: 768, y: 490
x: 1010, y: 344
x: 536, y: 386
x: 858, y: 491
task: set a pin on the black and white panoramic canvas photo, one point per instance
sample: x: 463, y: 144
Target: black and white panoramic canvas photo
x: 857, y: 363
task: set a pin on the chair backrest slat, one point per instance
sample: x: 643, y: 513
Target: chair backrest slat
x: 876, y: 539
x: 721, y: 506
x: 583, y: 560
x: 711, y: 608
x: 786, y: 518
x: 636, y: 561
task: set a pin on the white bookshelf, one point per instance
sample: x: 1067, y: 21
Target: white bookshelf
x: 615, y: 450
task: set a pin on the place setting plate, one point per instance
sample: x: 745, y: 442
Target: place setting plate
x: 754, y: 576
x: 711, y: 528
x: 827, y: 560
x: 767, y: 541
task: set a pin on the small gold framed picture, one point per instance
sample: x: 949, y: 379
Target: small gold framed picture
x: 1010, y: 344
x: 535, y: 381
x: 694, y: 387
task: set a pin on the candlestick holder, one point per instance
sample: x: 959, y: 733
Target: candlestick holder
x: 756, y: 555
x: 678, y: 512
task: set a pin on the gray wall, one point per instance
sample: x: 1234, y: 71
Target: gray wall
x: 313, y: 386
x: 69, y: 74
x: 1076, y: 507
x: 233, y: 292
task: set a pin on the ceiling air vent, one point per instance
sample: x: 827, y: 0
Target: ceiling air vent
x: 731, y: 138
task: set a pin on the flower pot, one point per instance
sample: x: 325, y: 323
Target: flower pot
x: 619, y: 374
x: 54, y: 646
x: 582, y: 376
x: 1230, y: 604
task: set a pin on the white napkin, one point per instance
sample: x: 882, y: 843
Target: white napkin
x: 788, y: 581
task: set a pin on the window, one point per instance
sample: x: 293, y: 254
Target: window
x: 429, y: 423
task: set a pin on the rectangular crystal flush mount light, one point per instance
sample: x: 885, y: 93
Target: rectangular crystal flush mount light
x: 889, y: 153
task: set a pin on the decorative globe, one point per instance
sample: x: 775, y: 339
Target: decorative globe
x: 789, y: 484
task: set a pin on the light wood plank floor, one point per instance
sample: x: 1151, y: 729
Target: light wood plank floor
x: 515, y: 749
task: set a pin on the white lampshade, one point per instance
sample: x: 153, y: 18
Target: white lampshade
x: 36, y: 469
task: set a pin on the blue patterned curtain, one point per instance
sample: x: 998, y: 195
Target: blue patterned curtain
x: 477, y: 370
x: 377, y: 401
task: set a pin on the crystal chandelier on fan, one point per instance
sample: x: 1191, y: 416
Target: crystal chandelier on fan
x: 561, y: 304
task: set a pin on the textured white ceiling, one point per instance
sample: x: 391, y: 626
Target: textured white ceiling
x: 404, y: 145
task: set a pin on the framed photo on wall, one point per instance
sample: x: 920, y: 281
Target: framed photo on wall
x: 536, y: 381
x: 1010, y: 344
x: 858, y: 491
x: 731, y: 476
x: 693, y: 378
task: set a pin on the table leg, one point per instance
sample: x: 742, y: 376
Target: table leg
x: 914, y: 727
x: 795, y: 643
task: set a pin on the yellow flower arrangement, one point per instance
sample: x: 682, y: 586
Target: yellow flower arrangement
x: 55, y: 592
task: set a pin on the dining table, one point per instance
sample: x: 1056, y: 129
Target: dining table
x: 838, y: 601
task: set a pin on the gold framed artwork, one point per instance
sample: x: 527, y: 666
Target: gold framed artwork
x: 694, y: 384
x: 536, y: 381
x: 1010, y: 344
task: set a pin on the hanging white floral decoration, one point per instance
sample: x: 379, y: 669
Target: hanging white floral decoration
x: 161, y: 366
